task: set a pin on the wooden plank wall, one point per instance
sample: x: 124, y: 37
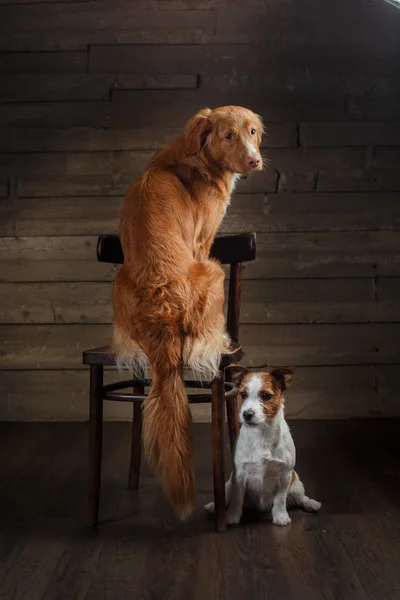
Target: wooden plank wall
x: 89, y: 89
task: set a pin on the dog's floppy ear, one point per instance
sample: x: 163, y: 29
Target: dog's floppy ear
x: 261, y: 128
x: 235, y: 374
x: 283, y: 376
x: 197, y: 129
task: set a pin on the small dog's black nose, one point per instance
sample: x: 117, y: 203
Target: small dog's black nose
x: 248, y: 415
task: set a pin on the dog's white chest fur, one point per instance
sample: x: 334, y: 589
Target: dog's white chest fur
x: 234, y: 180
x: 264, y: 454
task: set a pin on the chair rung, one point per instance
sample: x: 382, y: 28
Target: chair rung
x: 121, y: 385
x: 124, y: 396
x: 111, y: 392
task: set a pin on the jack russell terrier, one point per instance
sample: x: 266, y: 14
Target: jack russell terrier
x: 265, y: 454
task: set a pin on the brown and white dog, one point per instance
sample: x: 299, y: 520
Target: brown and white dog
x: 168, y: 295
x: 265, y: 455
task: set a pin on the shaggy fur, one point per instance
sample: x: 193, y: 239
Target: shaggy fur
x: 168, y: 295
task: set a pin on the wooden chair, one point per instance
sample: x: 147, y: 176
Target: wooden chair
x: 233, y: 250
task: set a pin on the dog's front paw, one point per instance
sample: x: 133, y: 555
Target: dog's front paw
x: 281, y: 519
x: 233, y: 517
x: 210, y: 508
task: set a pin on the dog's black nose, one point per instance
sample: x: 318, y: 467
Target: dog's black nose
x: 248, y: 415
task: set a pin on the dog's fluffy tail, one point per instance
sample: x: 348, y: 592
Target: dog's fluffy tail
x: 167, y: 437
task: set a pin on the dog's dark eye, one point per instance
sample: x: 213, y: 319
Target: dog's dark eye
x: 266, y: 396
x: 244, y: 395
x: 228, y: 136
x: 252, y: 131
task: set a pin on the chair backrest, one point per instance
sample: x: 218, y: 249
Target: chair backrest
x: 228, y: 249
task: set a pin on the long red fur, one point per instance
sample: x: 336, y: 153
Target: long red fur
x: 168, y: 295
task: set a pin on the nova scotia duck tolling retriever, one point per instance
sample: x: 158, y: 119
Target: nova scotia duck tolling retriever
x: 168, y: 295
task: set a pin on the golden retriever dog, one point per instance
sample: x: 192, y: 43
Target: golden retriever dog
x: 168, y: 296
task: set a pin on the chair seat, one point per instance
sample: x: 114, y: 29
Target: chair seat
x: 104, y: 356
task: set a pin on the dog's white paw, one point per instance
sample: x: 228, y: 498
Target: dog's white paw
x: 311, y: 505
x: 210, y: 508
x: 281, y: 519
x: 233, y: 518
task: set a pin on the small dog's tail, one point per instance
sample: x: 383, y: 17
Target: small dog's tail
x: 167, y: 436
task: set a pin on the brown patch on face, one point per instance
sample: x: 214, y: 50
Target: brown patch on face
x: 270, y: 395
x: 241, y: 384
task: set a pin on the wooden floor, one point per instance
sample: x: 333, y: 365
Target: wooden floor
x: 351, y: 550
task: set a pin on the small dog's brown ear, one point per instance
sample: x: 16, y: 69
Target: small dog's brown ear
x: 283, y: 376
x: 235, y: 374
x: 197, y: 129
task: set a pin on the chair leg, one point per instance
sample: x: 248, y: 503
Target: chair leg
x: 95, y: 442
x: 218, y: 423
x: 233, y: 422
x: 136, y: 443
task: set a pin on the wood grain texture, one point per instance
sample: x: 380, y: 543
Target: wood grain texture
x: 90, y: 91
x: 137, y: 109
x: 46, y: 259
x: 374, y: 106
x: 260, y: 212
x: 315, y: 255
x: 279, y: 255
x: 3, y: 187
x: 378, y: 573
x: 348, y: 551
x: 318, y: 392
x: 388, y: 288
x: 114, y: 183
x: 61, y: 87
x: 378, y: 180
x: 84, y: 139
x: 350, y: 133
x: 100, y: 17
x: 243, y: 58
x: 42, y: 62
x: 61, y: 346
x: 91, y: 139
x: 108, y: 184
x: 54, y: 114
x: 36, y: 88
x: 299, y: 301
x: 386, y: 157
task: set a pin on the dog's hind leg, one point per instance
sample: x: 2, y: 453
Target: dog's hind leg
x: 279, y: 506
x: 206, y: 339
x: 129, y: 355
x: 126, y: 338
x: 297, y: 498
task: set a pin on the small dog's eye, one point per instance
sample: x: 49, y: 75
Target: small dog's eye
x: 228, y: 136
x: 266, y: 396
x: 252, y: 131
x: 243, y: 394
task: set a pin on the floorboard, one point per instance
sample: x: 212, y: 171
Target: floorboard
x: 349, y: 551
